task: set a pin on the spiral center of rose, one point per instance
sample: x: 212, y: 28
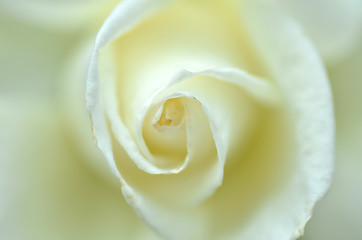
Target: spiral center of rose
x: 172, y: 113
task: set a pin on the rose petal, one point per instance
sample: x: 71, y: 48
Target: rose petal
x: 334, y: 26
x: 44, y: 183
x: 60, y: 16
x: 340, y: 214
x: 297, y: 68
x: 157, y: 186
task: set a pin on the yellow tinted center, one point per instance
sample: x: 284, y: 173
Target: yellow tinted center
x: 172, y: 113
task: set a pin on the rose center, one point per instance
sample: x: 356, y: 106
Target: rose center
x: 172, y: 113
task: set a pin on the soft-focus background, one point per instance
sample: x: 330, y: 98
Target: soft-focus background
x: 50, y: 181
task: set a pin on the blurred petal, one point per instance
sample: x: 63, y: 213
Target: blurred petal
x: 70, y: 99
x: 44, y: 181
x: 60, y: 16
x: 334, y: 26
x: 340, y: 215
x: 46, y: 191
x: 30, y: 59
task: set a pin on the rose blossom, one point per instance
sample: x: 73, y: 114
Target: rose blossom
x: 180, y: 121
x: 258, y: 102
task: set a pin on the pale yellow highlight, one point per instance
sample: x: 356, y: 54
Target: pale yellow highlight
x: 172, y: 113
x: 164, y: 132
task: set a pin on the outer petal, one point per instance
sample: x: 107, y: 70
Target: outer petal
x: 340, y: 215
x: 63, y: 16
x: 295, y: 65
x: 46, y: 190
x: 334, y: 26
x: 71, y: 90
x: 37, y: 52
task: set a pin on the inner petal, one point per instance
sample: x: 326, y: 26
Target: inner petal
x: 164, y: 132
x: 201, y: 175
x: 189, y: 35
x: 172, y: 114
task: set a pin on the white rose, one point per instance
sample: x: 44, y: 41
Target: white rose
x: 127, y: 232
x: 178, y: 91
